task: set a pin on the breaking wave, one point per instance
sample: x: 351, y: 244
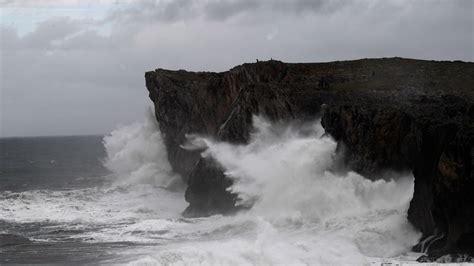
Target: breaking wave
x: 307, y: 212
x: 290, y: 171
x: 136, y: 154
x: 302, y: 209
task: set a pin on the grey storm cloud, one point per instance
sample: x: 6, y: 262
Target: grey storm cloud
x: 44, y: 36
x: 83, y: 76
x: 221, y: 10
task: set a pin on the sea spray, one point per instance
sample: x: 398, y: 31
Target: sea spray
x: 136, y: 154
x: 302, y: 211
x: 286, y: 174
x: 131, y: 204
x: 289, y: 170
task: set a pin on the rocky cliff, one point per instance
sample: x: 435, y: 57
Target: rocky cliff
x: 394, y: 113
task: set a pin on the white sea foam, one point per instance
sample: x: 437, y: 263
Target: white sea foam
x: 92, y: 205
x: 139, y: 192
x: 302, y: 211
x: 288, y: 171
x: 136, y: 154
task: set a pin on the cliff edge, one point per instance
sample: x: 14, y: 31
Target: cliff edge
x: 389, y: 113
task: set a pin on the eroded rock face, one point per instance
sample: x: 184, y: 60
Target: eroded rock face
x: 393, y: 113
x: 438, y: 149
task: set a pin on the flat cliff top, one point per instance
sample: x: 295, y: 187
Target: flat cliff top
x: 417, y: 86
x: 395, y: 77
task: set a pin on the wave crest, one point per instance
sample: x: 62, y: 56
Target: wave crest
x: 136, y: 154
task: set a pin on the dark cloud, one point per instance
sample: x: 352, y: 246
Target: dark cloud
x: 221, y: 10
x: 146, y: 10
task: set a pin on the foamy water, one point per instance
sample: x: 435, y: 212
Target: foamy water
x: 303, y: 211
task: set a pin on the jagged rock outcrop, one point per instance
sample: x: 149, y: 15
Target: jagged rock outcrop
x: 392, y: 113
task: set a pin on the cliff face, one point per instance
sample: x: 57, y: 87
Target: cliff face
x: 387, y: 113
x: 434, y: 138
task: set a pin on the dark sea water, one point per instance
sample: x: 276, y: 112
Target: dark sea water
x: 59, y: 203
x: 35, y: 165
x: 51, y: 162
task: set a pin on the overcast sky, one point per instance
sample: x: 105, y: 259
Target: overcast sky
x: 73, y: 67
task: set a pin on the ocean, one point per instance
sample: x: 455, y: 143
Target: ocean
x: 114, y: 199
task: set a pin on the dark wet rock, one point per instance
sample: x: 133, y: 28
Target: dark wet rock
x: 449, y: 258
x: 434, y: 141
x: 454, y: 258
x: 425, y: 258
x: 393, y: 113
x: 207, y: 192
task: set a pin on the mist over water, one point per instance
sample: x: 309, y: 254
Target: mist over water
x: 302, y: 211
